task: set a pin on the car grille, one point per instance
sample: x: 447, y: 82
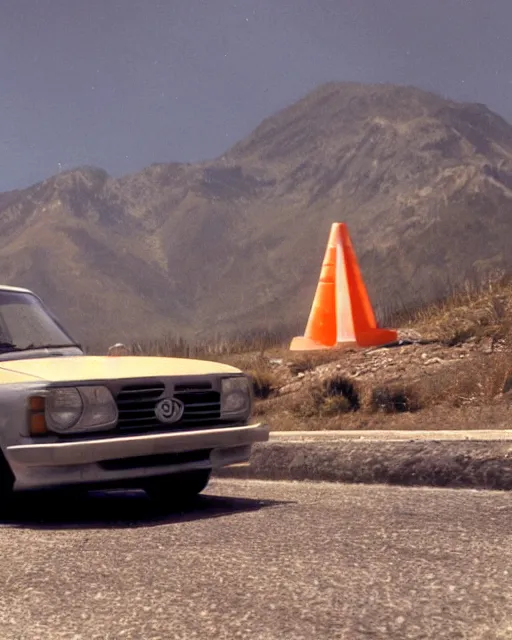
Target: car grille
x: 136, y: 406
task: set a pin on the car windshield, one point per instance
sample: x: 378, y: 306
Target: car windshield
x: 26, y: 324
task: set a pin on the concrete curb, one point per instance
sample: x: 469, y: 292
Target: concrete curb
x: 497, y: 435
x: 479, y: 464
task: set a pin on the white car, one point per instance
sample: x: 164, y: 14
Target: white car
x: 72, y: 420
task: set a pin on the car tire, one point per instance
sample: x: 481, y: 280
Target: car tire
x: 177, y: 488
x: 6, y: 487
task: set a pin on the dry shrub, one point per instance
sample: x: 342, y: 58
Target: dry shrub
x: 395, y: 398
x: 265, y: 381
x: 329, y: 397
x: 338, y: 386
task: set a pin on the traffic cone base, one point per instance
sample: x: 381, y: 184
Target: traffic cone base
x: 341, y: 314
x: 377, y: 337
x: 301, y: 343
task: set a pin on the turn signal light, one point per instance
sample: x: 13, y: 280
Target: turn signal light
x: 37, y: 422
x: 36, y: 403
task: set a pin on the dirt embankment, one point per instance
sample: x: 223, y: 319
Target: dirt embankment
x: 412, y: 385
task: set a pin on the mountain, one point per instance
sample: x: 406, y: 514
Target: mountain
x: 424, y: 184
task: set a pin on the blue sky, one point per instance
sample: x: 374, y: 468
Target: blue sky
x: 121, y: 84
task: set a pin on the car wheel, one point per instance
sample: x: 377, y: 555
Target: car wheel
x: 177, y: 487
x: 6, y: 486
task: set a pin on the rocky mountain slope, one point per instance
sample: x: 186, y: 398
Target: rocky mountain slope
x: 424, y: 183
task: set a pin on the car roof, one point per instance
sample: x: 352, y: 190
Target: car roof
x: 4, y: 287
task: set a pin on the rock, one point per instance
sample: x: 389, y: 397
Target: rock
x: 409, y: 334
x: 293, y: 387
x: 487, y: 345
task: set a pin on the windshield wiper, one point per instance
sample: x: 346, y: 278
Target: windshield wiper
x: 34, y: 347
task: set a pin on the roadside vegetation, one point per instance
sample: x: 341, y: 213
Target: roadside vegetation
x: 452, y: 368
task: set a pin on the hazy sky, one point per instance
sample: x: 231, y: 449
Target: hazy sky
x: 124, y: 83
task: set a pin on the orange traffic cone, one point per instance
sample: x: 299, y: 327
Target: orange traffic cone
x: 341, y: 314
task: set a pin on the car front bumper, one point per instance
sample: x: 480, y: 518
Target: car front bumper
x: 104, y: 460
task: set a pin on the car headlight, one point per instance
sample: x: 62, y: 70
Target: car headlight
x: 236, y: 397
x: 75, y: 409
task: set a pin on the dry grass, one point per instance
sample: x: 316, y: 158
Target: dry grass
x: 476, y: 311
x: 302, y: 362
x: 234, y: 348
x: 475, y: 383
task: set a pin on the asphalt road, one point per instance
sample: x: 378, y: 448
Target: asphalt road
x: 261, y: 560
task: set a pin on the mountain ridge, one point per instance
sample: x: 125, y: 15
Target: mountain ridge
x: 424, y: 184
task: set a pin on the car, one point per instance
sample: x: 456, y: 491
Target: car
x: 69, y: 420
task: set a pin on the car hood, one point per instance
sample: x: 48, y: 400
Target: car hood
x: 97, y: 368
